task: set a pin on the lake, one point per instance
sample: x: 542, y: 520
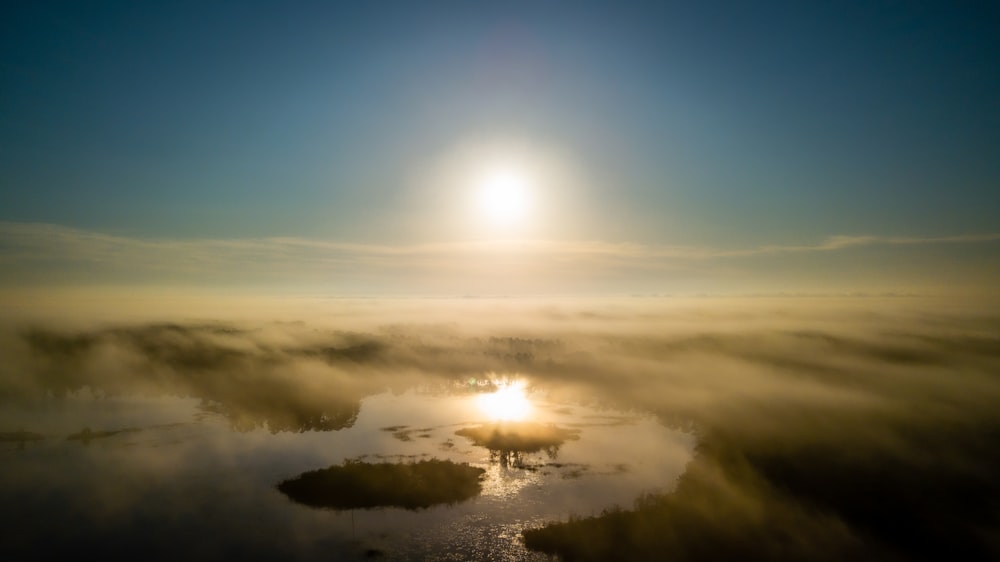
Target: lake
x: 162, y: 476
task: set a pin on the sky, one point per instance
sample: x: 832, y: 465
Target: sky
x: 659, y: 147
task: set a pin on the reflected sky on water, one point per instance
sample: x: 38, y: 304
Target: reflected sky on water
x: 162, y: 477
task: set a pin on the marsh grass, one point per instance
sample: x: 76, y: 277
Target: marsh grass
x: 20, y: 436
x: 509, y: 442
x: 362, y: 485
x: 781, y: 488
x: 86, y: 435
x: 521, y: 437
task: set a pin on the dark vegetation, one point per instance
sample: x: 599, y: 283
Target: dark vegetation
x: 86, y: 435
x: 254, y: 382
x: 20, y: 437
x: 785, y: 501
x: 208, y: 361
x: 508, y: 441
x: 526, y: 437
x: 831, y: 447
x: 405, y: 433
x: 361, y: 485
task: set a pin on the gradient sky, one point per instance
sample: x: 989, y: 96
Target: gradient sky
x: 663, y: 134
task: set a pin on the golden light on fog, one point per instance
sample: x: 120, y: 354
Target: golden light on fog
x: 507, y: 403
x: 504, y: 195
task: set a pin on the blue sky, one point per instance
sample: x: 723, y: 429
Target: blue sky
x: 720, y: 125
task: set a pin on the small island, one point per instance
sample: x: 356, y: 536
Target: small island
x: 361, y: 485
x: 508, y: 441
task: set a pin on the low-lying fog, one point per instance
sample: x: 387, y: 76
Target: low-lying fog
x: 688, y: 429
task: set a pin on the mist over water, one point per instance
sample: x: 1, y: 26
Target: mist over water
x: 795, y: 428
x: 458, y: 281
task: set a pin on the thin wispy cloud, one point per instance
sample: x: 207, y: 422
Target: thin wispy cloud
x: 834, y: 243
x: 32, y: 251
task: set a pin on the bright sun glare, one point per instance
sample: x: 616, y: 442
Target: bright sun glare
x: 508, y: 403
x: 504, y: 195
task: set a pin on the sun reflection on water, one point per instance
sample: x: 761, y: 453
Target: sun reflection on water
x: 508, y: 403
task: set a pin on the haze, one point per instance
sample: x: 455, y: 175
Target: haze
x: 660, y: 280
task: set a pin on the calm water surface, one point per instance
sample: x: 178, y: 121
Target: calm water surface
x: 168, y: 477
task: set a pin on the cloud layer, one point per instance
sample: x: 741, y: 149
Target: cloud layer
x: 47, y: 254
x: 826, y: 427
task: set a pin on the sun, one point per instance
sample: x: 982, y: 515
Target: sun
x: 504, y: 195
x: 508, y: 403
